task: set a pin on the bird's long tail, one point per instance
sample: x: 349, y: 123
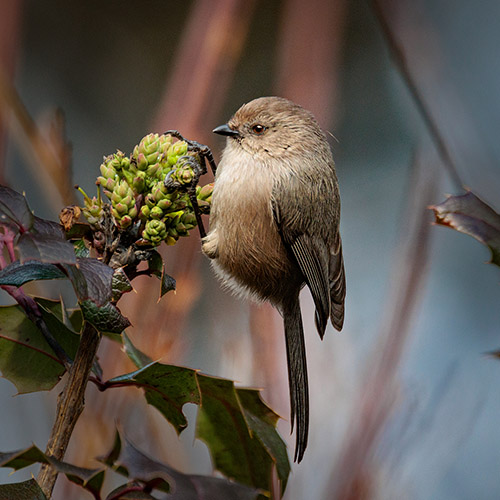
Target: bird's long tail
x: 297, y: 374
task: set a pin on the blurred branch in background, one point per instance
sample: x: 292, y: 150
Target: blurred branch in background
x: 400, y: 59
x: 10, y: 27
x: 44, y: 145
x: 354, y: 476
x: 418, y: 56
x: 309, y: 55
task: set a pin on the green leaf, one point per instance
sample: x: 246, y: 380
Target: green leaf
x: 168, y: 283
x: 22, y: 458
x: 120, y: 284
x: 180, y: 486
x: 136, y: 356
x: 90, y: 479
x: 236, y: 425
x: 262, y: 422
x: 81, y: 249
x: 26, y: 359
x: 157, y: 268
x: 235, y: 451
x: 17, y: 274
x: 92, y: 280
x: 470, y: 215
x: 167, y: 388
x: 22, y: 491
x: 105, y: 318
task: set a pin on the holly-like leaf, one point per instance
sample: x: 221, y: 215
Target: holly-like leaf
x: 92, y: 280
x: 36, y: 238
x: 105, y: 318
x: 17, y: 274
x: 135, y: 355
x: 235, y: 450
x: 90, y: 479
x: 45, y: 248
x: 14, y: 210
x: 81, y: 249
x: 470, y: 215
x: 236, y: 425
x: 180, y: 486
x: 22, y: 491
x: 167, y: 388
x: 262, y: 422
x: 47, y: 228
x: 25, y: 357
x: 22, y: 458
x: 157, y: 268
x: 168, y: 283
x: 120, y: 284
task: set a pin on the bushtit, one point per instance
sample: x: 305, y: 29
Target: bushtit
x: 274, y: 226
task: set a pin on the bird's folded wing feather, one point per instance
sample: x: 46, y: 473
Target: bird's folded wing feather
x: 312, y: 259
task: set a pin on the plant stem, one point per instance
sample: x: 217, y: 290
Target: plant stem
x: 70, y: 405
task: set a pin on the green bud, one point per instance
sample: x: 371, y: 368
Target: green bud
x: 115, y: 197
x: 145, y: 212
x: 132, y: 212
x: 154, y: 231
x: 205, y: 192
x: 156, y: 213
x: 189, y: 218
x: 125, y: 221
x: 149, y: 144
x: 107, y: 171
x: 123, y: 189
x: 169, y: 240
x: 141, y: 161
x: 164, y: 204
x: 139, y: 182
x: 153, y: 157
x: 150, y: 200
x: 120, y: 208
x: 204, y: 206
x: 154, y: 170
x: 165, y: 143
x: 159, y: 191
x: 176, y: 150
x: 115, y: 160
x: 125, y: 163
x: 179, y: 204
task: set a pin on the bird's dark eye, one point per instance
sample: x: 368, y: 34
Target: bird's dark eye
x: 258, y: 129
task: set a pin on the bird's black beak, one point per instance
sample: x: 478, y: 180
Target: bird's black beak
x: 225, y: 130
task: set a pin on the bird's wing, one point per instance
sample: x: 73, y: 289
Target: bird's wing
x: 312, y: 257
x: 337, y: 284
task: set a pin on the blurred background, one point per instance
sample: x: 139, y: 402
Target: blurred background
x: 404, y: 402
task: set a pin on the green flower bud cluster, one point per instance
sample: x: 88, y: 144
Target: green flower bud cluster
x: 173, y: 209
x: 135, y: 187
x: 92, y: 208
x: 204, y: 195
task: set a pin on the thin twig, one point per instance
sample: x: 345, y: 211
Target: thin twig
x: 69, y: 405
x: 401, y: 61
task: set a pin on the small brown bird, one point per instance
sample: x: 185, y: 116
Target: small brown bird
x: 274, y: 226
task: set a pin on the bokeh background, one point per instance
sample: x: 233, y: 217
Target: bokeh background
x: 404, y: 401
